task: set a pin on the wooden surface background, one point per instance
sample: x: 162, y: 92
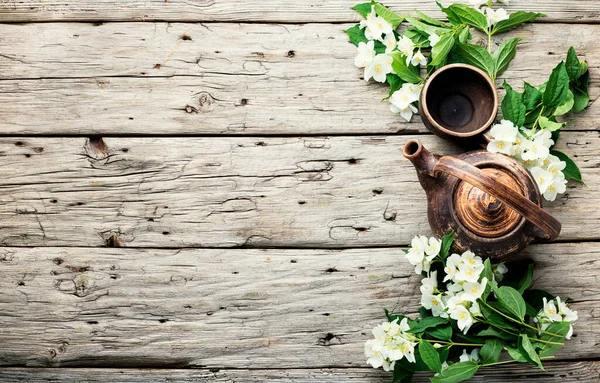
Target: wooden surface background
x: 207, y: 191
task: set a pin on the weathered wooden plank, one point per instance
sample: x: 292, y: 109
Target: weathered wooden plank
x: 267, y: 79
x: 238, y: 191
x: 233, y: 308
x: 557, y: 372
x: 253, y: 10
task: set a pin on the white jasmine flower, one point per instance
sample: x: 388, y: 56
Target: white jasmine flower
x: 545, y: 137
x: 433, y: 247
x: 433, y: 39
x: 549, y: 314
x: 475, y: 309
x: 474, y: 290
x: 429, y: 284
x: 435, y: 303
x: 555, y: 166
x: 495, y: 16
x: 406, y: 47
x: 390, y: 42
x: 499, y: 146
x: 472, y: 357
x: 379, y: 68
x: 391, y: 343
x: 402, y: 99
x: 542, y: 177
x: 470, y: 268
x: 535, y: 149
x: 451, y: 268
x: 499, y: 270
x: 557, y: 186
x: 366, y: 53
x: 505, y: 131
x: 550, y: 311
x: 418, y: 59
x: 375, y: 26
x: 567, y: 314
x: 462, y: 316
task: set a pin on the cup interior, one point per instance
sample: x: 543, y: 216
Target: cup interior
x: 461, y: 101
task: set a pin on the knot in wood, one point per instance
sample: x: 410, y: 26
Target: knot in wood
x: 205, y: 102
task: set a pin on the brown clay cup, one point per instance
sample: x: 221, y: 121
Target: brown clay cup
x: 458, y: 101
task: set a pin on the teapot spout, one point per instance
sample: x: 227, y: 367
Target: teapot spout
x: 423, y: 161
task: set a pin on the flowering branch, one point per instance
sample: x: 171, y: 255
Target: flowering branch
x: 468, y: 298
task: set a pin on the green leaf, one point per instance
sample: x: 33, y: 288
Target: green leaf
x: 393, y: 317
x: 551, y: 125
x: 571, y: 171
x: 441, y: 49
x: 572, y: 64
x: 389, y: 16
x: 364, y: 9
x: 504, y: 54
x: 517, y: 354
x: 526, y: 280
x: 401, y: 374
x: 464, y: 35
x: 408, y: 73
x: 489, y: 274
x: 566, y: 106
x: 420, y: 39
x: 512, y: 105
x: 557, y: 87
x: 395, y: 83
x: 530, y: 310
x: 514, y: 20
x: 441, y: 332
x: 424, y: 313
x: 495, y: 319
x: 581, y: 100
x: 531, y: 96
x: 430, y: 356
x: 511, y: 301
x: 429, y: 20
x: 463, y: 14
x: 490, y: 352
x: 447, y: 241
x: 418, y: 366
x: 426, y: 27
x: 496, y: 333
x: 558, y: 328
x: 535, y: 298
x: 457, y: 372
x: 356, y: 35
x: 426, y: 323
x: 477, y: 56
x: 581, y: 90
x: 524, y: 344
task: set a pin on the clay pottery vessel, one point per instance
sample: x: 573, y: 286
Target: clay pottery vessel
x: 458, y: 102
x: 490, y: 201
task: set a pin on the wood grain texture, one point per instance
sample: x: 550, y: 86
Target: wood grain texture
x: 234, y: 308
x: 556, y: 372
x: 253, y: 10
x: 174, y: 78
x: 238, y: 191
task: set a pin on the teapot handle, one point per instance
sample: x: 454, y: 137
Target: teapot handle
x: 549, y: 225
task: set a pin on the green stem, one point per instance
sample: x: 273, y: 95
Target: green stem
x: 537, y: 120
x: 533, y: 339
x: 520, y: 321
x: 489, y: 42
x: 511, y: 361
x: 453, y: 343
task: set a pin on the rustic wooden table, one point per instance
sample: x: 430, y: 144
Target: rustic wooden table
x: 206, y: 191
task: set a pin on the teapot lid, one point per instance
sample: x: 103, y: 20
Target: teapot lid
x: 483, y: 214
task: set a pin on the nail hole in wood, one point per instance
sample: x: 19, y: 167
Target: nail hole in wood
x: 291, y: 54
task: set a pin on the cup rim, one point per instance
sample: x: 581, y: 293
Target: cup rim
x: 452, y: 132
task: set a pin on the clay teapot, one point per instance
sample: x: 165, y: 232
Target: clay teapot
x: 490, y: 201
